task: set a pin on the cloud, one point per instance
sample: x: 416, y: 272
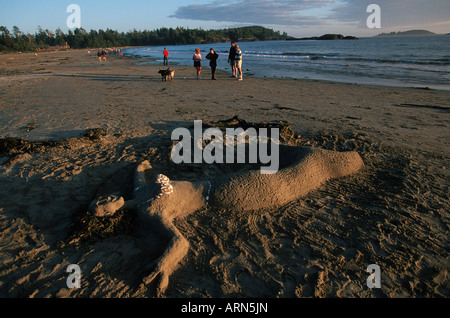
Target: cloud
x: 286, y: 12
x: 394, y: 13
x: 310, y: 13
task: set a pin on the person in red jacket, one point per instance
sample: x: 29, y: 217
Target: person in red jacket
x: 166, y: 57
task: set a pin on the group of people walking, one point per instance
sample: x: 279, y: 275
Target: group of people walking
x: 234, y: 58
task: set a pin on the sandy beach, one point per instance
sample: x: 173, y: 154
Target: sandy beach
x: 72, y: 129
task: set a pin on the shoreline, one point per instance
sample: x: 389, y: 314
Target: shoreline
x: 349, y: 73
x: 393, y: 213
x: 143, y: 60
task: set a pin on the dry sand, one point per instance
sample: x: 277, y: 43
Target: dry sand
x: 394, y: 212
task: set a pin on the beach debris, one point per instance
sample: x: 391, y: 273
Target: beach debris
x: 286, y: 132
x: 90, y: 228
x: 95, y: 133
x: 15, y: 148
x: 30, y: 126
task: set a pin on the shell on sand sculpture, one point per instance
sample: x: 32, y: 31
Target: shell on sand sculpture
x: 166, y: 187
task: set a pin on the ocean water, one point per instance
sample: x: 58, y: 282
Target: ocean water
x: 403, y: 61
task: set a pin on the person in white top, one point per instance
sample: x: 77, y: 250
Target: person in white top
x: 197, y: 62
x: 238, y: 61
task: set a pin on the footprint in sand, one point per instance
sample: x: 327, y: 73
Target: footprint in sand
x: 222, y: 258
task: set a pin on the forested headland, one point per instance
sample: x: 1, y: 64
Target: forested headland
x: 16, y: 40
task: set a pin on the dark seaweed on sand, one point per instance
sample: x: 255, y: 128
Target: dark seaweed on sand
x: 89, y: 228
x: 14, y: 147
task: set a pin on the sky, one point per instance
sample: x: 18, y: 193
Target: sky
x: 296, y: 17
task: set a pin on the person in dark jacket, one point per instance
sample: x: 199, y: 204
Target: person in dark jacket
x: 231, y: 58
x: 212, y: 57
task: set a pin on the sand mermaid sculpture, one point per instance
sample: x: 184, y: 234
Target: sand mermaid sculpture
x: 159, y: 201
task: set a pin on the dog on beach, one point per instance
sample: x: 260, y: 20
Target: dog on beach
x: 167, y: 74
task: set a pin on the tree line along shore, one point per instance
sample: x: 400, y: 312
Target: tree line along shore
x: 18, y: 41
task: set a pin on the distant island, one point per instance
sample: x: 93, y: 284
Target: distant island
x: 408, y: 33
x: 325, y: 37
